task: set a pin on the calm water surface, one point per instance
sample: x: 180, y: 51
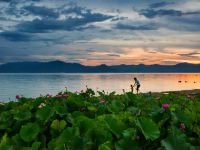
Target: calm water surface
x: 32, y: 85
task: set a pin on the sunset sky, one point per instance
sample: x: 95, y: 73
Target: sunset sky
x: 93, y: 32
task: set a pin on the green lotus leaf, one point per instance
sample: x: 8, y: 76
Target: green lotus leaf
x: 67, y: 140
x: 4, y: 139
x: 126, y: 144
x: 92, y: 108
x: 65, y: 137
x: 174, y: 143
x: 4, y: 144
x: 77, y: 114
x: 29, y: 131
x: 25, y: 148
x: 149, y: 129
x: 99, y: 135
x: 44, y: 113
x: 176, y: 140
x: 74, y: 102
x: 133, y: 110
x: 116, y: 106
x: 69, y: 118
x: 60, y: 110
x: 52, y: 143
x: 17, y: 140
x: 58, y: 125
x: 81, y: 143
x: 182, y: 117
x: 5, y: 116
x: 6, y: 147
x: 104, y: 147
x: 85, y: 123
x: 129, y: 133
x: 22, y: 114
x: 36, y: 146
x: 114, y: 125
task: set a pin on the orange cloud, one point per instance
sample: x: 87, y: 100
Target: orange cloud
x: 144, y: 56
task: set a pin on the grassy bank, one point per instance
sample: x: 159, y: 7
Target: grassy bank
x: 73, y: 121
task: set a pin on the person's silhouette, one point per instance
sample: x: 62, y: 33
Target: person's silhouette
x: 137, y: 84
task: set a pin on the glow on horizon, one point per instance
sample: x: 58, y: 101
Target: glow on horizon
x: 146, y: 56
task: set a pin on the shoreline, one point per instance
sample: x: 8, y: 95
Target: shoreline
x: 2, y: 73
x: 185, y: 92
x: 190, y: 92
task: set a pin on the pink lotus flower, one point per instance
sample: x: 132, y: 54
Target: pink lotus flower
x: 18, y: 97
x: 165, y: 106
x: 182, y: 126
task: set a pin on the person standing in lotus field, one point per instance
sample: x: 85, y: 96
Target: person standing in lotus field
x: 137, y: 84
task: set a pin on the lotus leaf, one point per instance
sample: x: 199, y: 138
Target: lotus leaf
x: 58, y: 125
x: 22, y: 114
x: 44, y: 113
x: 149, y: 129
x: 29, y: 131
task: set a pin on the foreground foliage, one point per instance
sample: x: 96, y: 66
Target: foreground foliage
x: 83, y: 121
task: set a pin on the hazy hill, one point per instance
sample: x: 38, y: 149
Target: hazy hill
x: 59, y: 66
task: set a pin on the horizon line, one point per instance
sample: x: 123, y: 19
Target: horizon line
x: 103, y: 64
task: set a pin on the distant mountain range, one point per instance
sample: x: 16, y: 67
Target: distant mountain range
x: 62, y: 67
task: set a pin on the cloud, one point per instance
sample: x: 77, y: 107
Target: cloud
x: 151, y: 13
x: 186, y: 22
x: 160, y: 4
x: 192, y: 55
x: 41, y: 11
x: 73, y: 8
x: 47, y: 25
x: 119, y: 18
x: 123, y: 26
x: 15, y: 36
x: 114, y: 55
x: 80, y: 21
x: 6, y: 1
x: 17, y: 1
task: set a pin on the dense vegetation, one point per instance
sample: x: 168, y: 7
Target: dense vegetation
x: 84, y: 121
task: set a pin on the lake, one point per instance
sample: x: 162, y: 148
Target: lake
x: 32, y: 85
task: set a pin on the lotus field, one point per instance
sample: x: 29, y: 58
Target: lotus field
x: 101, y: 121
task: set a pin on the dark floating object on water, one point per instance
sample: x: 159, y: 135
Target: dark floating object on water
x: 186, y: 81
x: 179, y: 81
x: 195, y: 82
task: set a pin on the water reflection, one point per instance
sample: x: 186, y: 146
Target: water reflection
x: 33, y: 85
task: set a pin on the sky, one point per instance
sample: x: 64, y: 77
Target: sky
x: 94, y: 32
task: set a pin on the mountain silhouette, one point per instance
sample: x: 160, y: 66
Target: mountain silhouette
x: 63, y: 67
